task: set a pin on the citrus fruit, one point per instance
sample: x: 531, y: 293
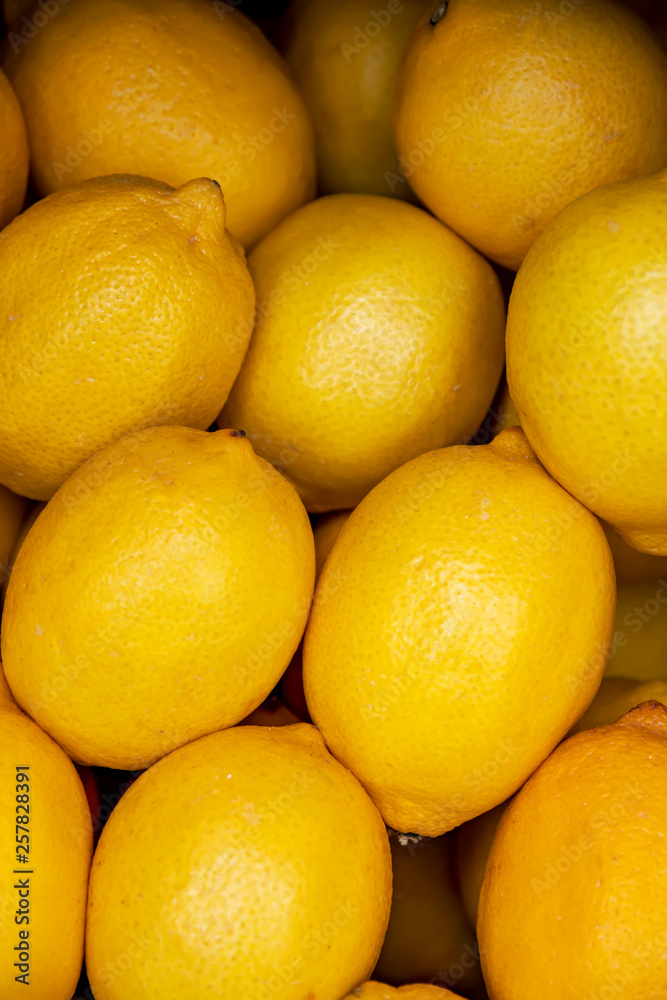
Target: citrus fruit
x: 618, y: 695
x: 507, y: 110
x: 639, y: 646
x: 631, y: 565
x: 246, y: 864
x: 325, y: 533
x: 12, y: 512
x: 429, y: 938
x: 128, y: 305
x: 473, y: 843
x: 572, y: 903
x: 379, y: 337
x: 460, y: 626
x: 13, y: 153
x: 585, y: 350
x: 345, y: 57
x: 186, y: 603
x: 48, y: 837
x: 415, y: 991
x: 166, y: 89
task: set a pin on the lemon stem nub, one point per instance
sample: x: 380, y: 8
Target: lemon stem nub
x: 439, y: 13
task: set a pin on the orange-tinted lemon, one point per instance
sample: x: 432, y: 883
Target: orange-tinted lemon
x: 13, y: 153
x: 572, y: 903
x: 507, y: 110
x: 170, y: 89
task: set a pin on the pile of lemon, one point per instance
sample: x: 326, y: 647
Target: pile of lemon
x: 380, y: 635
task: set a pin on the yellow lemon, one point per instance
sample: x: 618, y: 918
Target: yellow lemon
x: 586, y: 350
x: 429, y: 938
x: 127, y: 305
x: 246, y: 864
x: 167, y: 89
x: 618, y: 695
x: 345, y: 57
x: 19, y: 536
x: 572, y: 903
x: 448, y: 597
x: 48, y: 842
x: 379, y: 336
x: 183, y: 609
x: 639, y: 646
x: 507, y: 110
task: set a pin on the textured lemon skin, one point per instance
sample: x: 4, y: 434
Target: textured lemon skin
x: 178, y: 614
x: 416, y: 991
x: 460, y: 626
x: 586, y: 350
x: 506, y: 111
x: 170, y: 90
x: 572, y: 902
x: 126, y: 304
x: 380, y: 336
x: 61, y: 846
x: 14, y: 153
x: 428, y: 932
x: 347, y: 76
x: 249, y: 859
x: 618, y: 695
x: 639, y: 648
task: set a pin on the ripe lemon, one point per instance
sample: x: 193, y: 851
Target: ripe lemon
x: 247, y: 864
x: 473, y: 843
x: 572, y: 904
x: 586, y: 349
x: 19, y: 536
x: 379, y: 336
x: 13, y: 153
x: 166, y: 89
x: 631, y: 565
x: 48, y: 838
x: 618, y: 695
x: 639, y: 646
x: 429, y: 938
x: 345, y: 57
x: 127, y: 304
x: 460, y: 626
x: 184, y: 607
x: 416, y: 991
x: 507, y: 110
